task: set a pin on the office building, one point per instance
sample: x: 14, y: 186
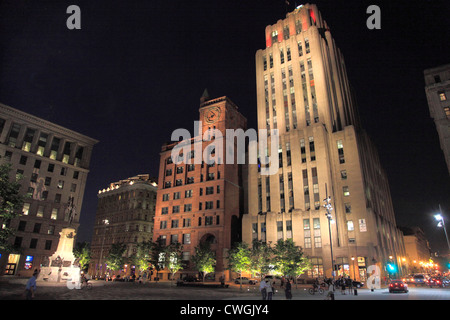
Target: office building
x: 303, y: 91
x: 199, y: 202
x: 437, y: 89
x: 54, y: 164
x: 125, y: 214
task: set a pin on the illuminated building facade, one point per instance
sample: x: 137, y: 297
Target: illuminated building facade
x: 303, y: 91
x: 54, y: 164
x: 125, y: 214
x: 437, y: 89
x: 199, y: 202
x: 417, y: 247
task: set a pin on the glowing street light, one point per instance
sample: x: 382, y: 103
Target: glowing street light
x: 106, y: 223
x: 441, y: 223
x: 329, y: 208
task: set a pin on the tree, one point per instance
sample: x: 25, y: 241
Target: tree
x: 239, y: 259
x: 82, y: 252
x: 142, y: 258
x: 173, y: 254
x: 157, y: 256
x: 289, y: 259
x: 11, y: 203
x: 204, y: 259
x: 115, y: 259
x: 261, y: 258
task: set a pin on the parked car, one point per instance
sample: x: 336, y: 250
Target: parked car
x: 245, y: 280
x: 357, y: 284
x: 398, y: 285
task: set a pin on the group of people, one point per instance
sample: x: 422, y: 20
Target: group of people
x: 267, y: 289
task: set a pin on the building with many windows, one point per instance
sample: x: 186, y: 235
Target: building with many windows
x: 417, y: 247
x: 54, y: 164
x: 437, y: 89
x: 303, y: 91
x: 125, y: 214
x: 199, y: 202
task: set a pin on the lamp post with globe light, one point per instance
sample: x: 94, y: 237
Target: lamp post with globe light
x: 100, y: 264
x: 441, y: 223
x: 329, y: 208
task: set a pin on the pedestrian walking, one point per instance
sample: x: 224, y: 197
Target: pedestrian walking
x: 343, y: 286
x: 30, y: 288
x: 263, y: 289
x: 288, y: 290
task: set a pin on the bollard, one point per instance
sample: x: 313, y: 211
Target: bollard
x: 356, y: 292
x: 332, y: 296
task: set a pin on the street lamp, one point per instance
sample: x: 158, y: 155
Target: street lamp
x: 353, y: 265
x: 105, y: 222
x: 441, y: 223
x: 329, y: 208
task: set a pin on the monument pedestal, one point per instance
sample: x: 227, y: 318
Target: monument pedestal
x: 61, y: 266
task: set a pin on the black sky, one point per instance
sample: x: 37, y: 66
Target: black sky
x: 136, y: 70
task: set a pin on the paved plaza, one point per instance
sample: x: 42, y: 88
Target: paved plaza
x: 101, y: 290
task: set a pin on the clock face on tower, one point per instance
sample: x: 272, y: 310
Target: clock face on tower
x: 212, y: 115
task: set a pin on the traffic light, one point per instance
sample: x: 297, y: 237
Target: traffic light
x: 391, y: 267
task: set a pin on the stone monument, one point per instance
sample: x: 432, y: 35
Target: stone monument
x: 61, y: 265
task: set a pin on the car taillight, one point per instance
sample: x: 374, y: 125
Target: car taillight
x: 390, y: 285
x: 401, y: 285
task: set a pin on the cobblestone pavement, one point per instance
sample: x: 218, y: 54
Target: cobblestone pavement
x: 13, y: 290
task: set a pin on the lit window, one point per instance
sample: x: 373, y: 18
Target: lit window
x: 447, y: 112
x: 40, y: 212
x: 442, y: 96
x: 54, y: 215
x: 346, y: 191
x: 26, y: 209
x: 350, y: 225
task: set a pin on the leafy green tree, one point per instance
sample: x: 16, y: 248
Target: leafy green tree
x: 239, y: 259
x: 261, y: 256
x: 142, y: 258
x: 204, y: 259
x: 11, y: 203
x: 289, y: 259
x: 173, y: 254
x: 157, y: 256
x: 82, y: 252
x: 115, y: 259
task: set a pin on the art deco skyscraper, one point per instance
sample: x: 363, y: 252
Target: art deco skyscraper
x: 303, y: 91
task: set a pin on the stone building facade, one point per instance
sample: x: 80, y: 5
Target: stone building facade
x: 437, y: 89
x: 303, y: 91
x: 125, y: 214
x: 54, y: 164
x: 199, y: 202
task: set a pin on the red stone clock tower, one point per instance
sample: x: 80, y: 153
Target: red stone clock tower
x: 200, y: 202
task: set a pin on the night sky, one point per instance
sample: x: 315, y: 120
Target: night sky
x: 136, y: 70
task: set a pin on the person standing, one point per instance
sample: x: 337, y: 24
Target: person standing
x: 263, y: 289
x: 30, y: 288
x: 288, y: 290
x: 269, y: 290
